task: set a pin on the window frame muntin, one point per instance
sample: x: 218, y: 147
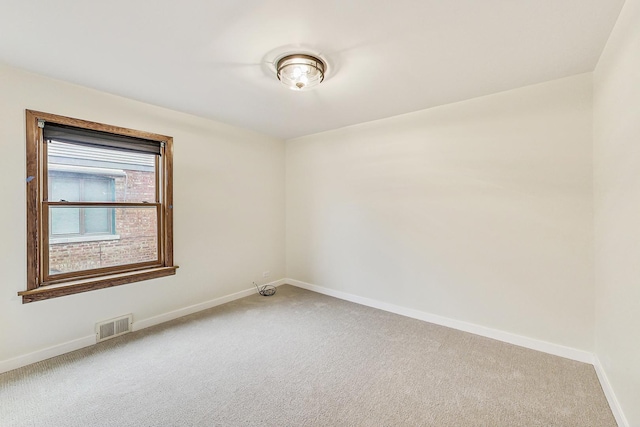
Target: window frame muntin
x: 37, y: 193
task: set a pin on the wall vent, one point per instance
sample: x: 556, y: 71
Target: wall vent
x: 113, y: 328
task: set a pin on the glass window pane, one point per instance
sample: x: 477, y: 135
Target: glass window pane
x: 63, y: 188
x: 97, y: 220
x: 65, y: 221
x: 135, y: 241
x: 97, y: 190
x: 131, y: 176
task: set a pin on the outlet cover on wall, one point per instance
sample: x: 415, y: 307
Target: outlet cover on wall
x: 266, y: 274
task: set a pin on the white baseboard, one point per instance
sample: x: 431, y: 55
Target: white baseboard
x: 57, y: 350
x: 519, y: 340
x: 47, y: 353
x: 156, y: 320
x: 609, y: 393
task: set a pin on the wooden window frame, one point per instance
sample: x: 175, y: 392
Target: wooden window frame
x: 40, y: 285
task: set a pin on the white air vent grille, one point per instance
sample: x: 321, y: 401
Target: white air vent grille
x: 113, y: 328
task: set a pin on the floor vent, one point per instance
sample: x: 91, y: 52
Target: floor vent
x: 113, y: 328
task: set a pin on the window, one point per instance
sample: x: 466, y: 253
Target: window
x: 80, y: 187
x: 99, y: 206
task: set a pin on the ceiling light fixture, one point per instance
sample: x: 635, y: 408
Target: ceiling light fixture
x: 300, y: 71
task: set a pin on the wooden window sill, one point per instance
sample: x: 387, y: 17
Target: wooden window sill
x: 78, y: 286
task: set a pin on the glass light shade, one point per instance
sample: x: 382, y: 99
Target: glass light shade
x: 300, y: 72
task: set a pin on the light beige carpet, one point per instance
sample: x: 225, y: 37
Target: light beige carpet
x: 302, y: 359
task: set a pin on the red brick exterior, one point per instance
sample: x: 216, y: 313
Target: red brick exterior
x: 136, y: 228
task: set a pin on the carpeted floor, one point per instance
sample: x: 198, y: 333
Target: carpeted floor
x: 302, y: 359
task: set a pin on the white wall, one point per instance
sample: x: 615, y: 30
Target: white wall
x: 479, y: 211
x: 617, y: 209
x: 229, y: 213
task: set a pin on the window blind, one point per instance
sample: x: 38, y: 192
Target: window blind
x: 94, y: 138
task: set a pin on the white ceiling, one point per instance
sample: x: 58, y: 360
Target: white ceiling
x: 386, y: 57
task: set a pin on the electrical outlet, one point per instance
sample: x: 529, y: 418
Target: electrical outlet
x: 266, y: 274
